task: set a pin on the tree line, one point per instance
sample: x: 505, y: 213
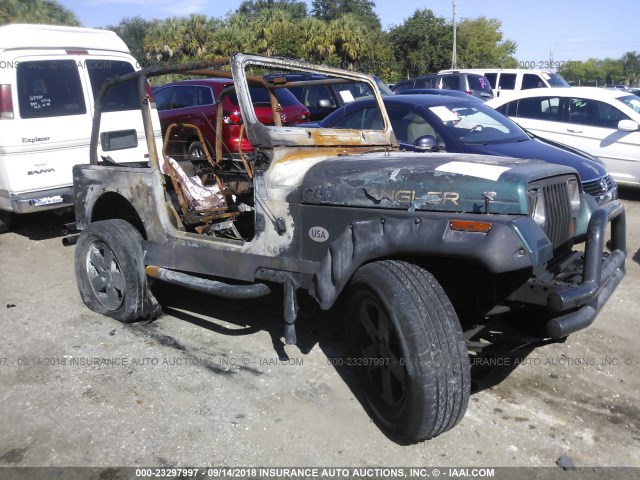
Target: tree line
x: 343, y: 33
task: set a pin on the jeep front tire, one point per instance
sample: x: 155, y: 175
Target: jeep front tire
x: 412, y: 359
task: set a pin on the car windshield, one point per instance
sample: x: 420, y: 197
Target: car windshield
x: 352, y: 90
x: 478, y: 124
x: 555, y: 80
x: 632, y: 101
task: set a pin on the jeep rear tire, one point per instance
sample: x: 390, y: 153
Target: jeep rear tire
x: 412, y: 358
x: 110, y: 273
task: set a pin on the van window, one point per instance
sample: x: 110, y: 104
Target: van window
x: 120, y: 97
x: 531, y: 80
x: 49, y: 88
x: 507, y: 81
x: 555, y: 80
x: 492, y: 79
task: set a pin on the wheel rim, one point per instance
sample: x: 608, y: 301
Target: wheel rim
x: 383, y: 362
x: 196, y: 151
x: 105, y: 276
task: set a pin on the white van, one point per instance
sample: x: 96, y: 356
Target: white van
x: 506, y: 81
x: 49, y: 76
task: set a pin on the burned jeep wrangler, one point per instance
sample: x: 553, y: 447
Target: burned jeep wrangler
x: 420, y: 249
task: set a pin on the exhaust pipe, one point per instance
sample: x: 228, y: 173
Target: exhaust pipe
x: 212, y: 287
x: 70, y: 240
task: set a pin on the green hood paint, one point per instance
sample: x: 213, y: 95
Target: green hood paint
x: 434, y: 182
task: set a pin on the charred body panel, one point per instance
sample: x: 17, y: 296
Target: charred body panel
x: 446, y: 182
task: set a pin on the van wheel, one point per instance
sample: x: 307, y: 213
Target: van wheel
x: 110, y: 273
x: 413, y: 364
x: 5, y: 221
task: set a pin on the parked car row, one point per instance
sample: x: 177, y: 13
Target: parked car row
x: 470, y: 83
x: 603, y: 122
x: 560, y: 124
x: 461, y: 125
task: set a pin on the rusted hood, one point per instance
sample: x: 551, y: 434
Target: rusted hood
x: 418, y: 181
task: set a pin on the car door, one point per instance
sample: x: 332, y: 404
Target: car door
x: 506, y: 84
x: 593, y: 127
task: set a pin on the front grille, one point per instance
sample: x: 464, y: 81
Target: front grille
x: 598, y: 187
x: 557, y: 224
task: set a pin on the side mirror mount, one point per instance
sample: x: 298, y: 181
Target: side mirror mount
x: 426, y: 143
x: 628, y: 126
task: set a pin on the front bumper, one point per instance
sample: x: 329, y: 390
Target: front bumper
x: 579, y: 287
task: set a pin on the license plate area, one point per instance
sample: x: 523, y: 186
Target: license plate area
x: 118, y: 140
x: 44, y: 201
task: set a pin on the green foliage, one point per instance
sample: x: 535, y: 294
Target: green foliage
x: 180, y: 39
x: 344, y: 33
x: 330, y: 10
x: 133, y: 31
x: 598, y: 72
x: 480, y: 45
x: 297, y: 10
x: 422, y: 44
x: 48, y: 12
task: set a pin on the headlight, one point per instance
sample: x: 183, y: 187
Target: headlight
x: 573, y: 189
x: 537, y: 209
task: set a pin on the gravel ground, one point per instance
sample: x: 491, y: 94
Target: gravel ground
x: 211, y: 383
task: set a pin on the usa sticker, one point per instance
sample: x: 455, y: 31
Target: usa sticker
x: 318, y: 234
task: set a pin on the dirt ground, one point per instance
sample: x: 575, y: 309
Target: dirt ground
x: 210, y: 383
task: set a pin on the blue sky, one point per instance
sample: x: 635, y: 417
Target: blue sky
x: 574, y: 29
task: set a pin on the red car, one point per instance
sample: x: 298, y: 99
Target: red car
x: 194, y: 102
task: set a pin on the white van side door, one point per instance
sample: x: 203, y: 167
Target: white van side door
x: 121, y: 129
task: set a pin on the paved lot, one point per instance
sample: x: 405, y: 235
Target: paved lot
x: 209, y: 382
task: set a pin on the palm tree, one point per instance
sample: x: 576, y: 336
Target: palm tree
x: 36, y: 11
x: 349, y: 36
x: 234, y: 36
x: 272, y: 28
x: 197, y: 31
x: 314, y: 40
x: 165, y: 40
